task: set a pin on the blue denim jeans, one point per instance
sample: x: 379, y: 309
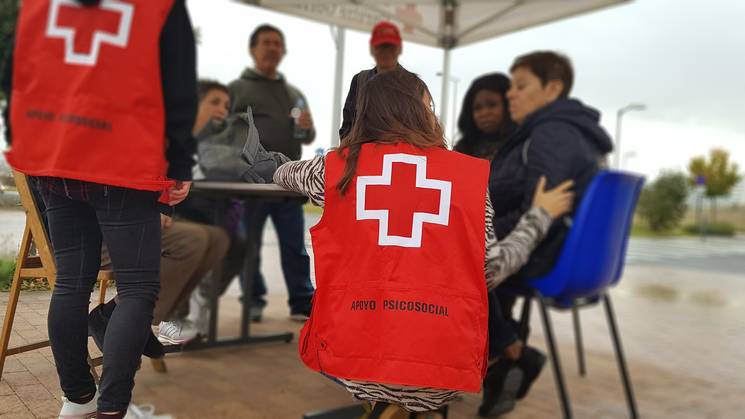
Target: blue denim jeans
x: 80, y: 216
x: 289, y: 221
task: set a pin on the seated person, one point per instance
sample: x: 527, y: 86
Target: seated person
x: 557, y: 138
x: 485, y: 122
x: 189, y: 250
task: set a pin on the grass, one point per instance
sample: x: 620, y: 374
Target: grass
x: 312, y: 209
x: 641, y: 230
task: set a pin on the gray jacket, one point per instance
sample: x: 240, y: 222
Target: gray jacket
x: 271, y: 101
x: 232, y: 151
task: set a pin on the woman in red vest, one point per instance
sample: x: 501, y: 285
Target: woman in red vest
x: 403, y: 254
x: 102, y: 109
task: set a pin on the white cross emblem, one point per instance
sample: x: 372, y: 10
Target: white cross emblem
x: 415, y: 240
x: 90, y: 58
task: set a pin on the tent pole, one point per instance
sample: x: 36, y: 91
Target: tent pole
x: 445, y: 87
x: 339, y: 35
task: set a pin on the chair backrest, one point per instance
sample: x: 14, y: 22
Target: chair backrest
x: 593, y: 254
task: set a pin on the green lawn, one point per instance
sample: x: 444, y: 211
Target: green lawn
x: 643, y: 231
x: 312, y: 209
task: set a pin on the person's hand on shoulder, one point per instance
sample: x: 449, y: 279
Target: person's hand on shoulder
x: 557, y: 201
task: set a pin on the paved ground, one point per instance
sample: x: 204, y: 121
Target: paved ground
x: 682, y: 329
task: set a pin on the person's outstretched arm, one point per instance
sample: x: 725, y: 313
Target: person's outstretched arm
x: 304, y: 176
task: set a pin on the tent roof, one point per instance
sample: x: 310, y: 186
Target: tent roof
x: 441, y: 23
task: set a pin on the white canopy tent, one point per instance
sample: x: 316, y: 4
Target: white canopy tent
x: 441, y: 23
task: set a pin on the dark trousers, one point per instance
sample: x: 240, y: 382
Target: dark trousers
x: 288, y: 220
x: 80, y: 215
x: 504, y: 329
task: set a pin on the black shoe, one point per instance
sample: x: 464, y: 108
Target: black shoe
x: 531, y: 363
x: 501, y: 385
x: 301, y: 312
x: 97, y: 323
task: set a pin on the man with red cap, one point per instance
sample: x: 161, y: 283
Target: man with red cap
x: 385, y: 48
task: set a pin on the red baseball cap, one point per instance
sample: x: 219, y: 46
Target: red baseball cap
x: 385, y: 33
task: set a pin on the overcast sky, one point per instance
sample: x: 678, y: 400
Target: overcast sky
x: 684, y: 59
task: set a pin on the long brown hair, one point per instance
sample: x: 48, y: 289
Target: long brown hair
x: 390, y: 108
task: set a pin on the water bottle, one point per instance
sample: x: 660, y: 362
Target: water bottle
x: 298, y: 133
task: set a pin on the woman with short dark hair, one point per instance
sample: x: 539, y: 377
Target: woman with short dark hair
x: 557, y: 138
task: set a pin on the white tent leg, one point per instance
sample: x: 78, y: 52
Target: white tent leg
x: 445, y: 87
x: 339, y: 35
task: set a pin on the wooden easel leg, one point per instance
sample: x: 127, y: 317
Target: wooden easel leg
x: 102, y: 284
x: 92, y: 364
x: 13, y: 295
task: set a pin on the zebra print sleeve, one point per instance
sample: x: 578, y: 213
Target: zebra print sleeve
x: 503, y: 258
x: 305, y: 176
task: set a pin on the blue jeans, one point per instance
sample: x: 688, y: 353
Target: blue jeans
x: 289, y: 221
x: 80, y: 216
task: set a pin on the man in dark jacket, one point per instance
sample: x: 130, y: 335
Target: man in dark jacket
x: 559, y: 138
x: 385, y: 48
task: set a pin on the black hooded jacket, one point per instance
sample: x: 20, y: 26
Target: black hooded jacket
x: 561, y: 141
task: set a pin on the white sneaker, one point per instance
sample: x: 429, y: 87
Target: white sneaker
x: 177, y: 332
x: 199, y: 311
x: 72, y: 410
x: 145, y: 411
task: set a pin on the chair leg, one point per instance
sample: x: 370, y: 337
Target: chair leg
x: 13, y: 296
x: 578, y: 341
x: 94, y: 373
x: 159, y: 365
x: 633, y: 413
x: 558, y: 376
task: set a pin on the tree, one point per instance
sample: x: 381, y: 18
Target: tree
x: 719, y: 174
x: 663, y: 203
x: 8, y: 15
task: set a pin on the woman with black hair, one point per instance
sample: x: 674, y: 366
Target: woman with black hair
x: 485, y: 121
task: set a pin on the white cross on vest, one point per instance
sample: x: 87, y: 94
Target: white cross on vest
x: 55, y: 29
x: 418, y: 218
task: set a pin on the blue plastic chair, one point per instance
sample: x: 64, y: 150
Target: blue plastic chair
x: 591, y: 261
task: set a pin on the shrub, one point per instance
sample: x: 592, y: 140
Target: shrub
x: 663, y: 203
x: 7, y: 267
x: 713, y: 229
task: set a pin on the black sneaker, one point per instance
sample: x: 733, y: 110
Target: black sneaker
x: 97, y: 323
x: 531, y: 363
x: 300, y: 315
x: 500, y: 386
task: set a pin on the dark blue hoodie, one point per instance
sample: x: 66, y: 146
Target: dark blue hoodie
x: 561, y: 141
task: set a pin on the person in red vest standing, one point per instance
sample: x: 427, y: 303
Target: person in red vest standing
x: 103, y: 105
x: 404, y: 253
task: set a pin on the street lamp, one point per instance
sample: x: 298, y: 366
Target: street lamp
x: 619, y: 117
x: 626, y: 157
x: 454, y: 122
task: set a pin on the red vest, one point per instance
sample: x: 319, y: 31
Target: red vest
x: 399, y: 262
x: 87, y: 95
